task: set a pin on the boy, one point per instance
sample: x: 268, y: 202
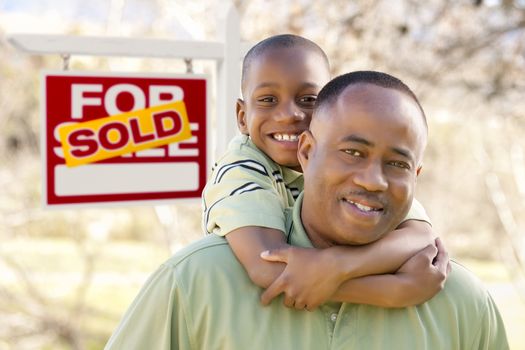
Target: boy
x: 260, y: 176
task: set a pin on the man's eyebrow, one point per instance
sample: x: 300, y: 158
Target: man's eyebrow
x: 358, y: 139
x: 401, y: 151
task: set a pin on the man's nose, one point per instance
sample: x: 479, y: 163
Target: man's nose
x: 290, y: 113
x: 371, y: 177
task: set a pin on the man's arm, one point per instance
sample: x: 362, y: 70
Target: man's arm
x: 155, y: 319
x: 491, y: 332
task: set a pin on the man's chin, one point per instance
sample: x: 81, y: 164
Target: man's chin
x: 363, y: 237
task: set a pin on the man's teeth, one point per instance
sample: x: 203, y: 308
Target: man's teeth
x: 286, y: 137
x: 364, y: 207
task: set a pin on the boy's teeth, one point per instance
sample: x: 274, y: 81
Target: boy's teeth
x: 286, y: 137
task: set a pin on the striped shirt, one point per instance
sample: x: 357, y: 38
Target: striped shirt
x: 247, y: 188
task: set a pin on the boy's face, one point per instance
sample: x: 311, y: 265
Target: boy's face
x: 279, y: 92
x: 360, y: 159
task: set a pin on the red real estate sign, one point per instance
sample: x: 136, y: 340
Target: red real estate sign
x: 120, y: 138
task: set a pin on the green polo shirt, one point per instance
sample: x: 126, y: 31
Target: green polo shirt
x: 202, y: 298
x: 247, y: 188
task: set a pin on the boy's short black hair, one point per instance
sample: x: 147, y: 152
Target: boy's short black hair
x: 336, y: 86
x: 278, y: 41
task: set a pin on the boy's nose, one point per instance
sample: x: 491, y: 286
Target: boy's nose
x: 291, y: 113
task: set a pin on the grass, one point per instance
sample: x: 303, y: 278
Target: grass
x: 119, y: 269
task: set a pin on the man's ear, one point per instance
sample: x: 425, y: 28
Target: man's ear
x: 241, y: 117
x: 418, y: 171
x: 305, y: 148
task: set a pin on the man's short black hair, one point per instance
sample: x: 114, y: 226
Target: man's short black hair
x: 276, y: 42
x: 331, y: 91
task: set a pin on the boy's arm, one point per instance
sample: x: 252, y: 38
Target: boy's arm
x: 385, y: 255
x: 311, y: 276
x: 247, y: 244
x: 243, y: 202
x: 418, y: 280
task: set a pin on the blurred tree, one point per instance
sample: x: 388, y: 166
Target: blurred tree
x: 465, y: 59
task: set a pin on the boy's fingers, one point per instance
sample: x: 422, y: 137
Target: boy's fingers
x: 299, y: 305
x: 441, y: 261
x: 439, y: 245
x: 276, y: 255
x: 271, y: 292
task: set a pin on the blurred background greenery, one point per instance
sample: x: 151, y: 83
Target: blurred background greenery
x: 66, y: 276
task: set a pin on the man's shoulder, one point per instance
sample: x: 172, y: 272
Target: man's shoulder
x: 463, y: 285
x: 208, y: 248
x: 206, y: 268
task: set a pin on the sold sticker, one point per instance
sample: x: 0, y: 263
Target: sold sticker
x: 124, y: 133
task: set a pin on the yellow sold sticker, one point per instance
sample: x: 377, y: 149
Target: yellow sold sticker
x: 124, y: 133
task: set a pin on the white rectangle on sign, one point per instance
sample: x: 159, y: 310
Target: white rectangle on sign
x: 126, y: 178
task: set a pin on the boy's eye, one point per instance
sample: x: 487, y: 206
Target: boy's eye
x: 353, y: 152
x: 308, y: 100
x: 267, y: 99
x: 400, y: 164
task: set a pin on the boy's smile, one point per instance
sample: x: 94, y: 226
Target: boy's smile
x: 280, y: 91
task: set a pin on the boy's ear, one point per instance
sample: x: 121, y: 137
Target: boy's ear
x: 241, y: 117
x: 305, y: 148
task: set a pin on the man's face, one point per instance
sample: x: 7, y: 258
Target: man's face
x: 360, y: 161
x: 280, y: 91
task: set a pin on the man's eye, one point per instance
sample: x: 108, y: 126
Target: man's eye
x: 267, y: 99
x: 400, y: 164
x: 353, y: 152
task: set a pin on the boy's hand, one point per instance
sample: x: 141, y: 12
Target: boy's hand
x: 309, y: 279
x: 424, y: 275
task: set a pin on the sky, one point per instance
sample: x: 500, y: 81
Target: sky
x: 101, y: 17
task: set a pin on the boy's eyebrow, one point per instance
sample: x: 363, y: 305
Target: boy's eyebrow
x: 273, y: 84
x: 401, y: 151
x: 266, y: 84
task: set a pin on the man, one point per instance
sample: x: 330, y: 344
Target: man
x: 360, y: 159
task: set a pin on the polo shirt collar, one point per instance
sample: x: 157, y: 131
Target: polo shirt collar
x: 296, y: 233
x: 290, y: 175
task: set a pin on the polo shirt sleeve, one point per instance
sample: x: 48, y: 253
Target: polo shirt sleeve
x: 242, y: 193
x: 156, y: 318
x: 417, y: 212
x: 491, y: 332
